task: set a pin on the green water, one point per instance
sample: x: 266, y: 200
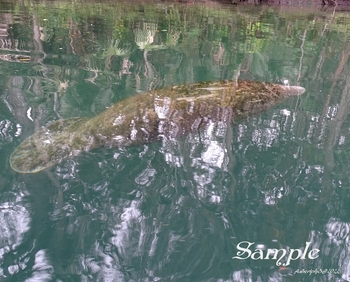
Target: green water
x: 176, y: 210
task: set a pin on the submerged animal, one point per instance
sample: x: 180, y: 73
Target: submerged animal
x: 151, y: 116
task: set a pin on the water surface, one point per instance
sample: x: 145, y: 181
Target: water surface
x: 175, y: 210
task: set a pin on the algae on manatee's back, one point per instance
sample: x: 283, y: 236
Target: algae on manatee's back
x: 151, y: 116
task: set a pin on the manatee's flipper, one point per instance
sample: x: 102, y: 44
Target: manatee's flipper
x: 50, y: 145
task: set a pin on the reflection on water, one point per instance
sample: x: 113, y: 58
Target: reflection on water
x: 175, y: 210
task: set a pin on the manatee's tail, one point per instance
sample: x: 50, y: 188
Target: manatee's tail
x: 50, y: 145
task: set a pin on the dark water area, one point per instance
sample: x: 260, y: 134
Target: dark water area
x: 265, y: 198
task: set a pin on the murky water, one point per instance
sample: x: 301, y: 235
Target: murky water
x: 186, y: 208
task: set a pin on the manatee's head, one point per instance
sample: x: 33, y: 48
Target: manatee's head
x: 292, y: 90
x: 49, y: 146
x: 252, y: 97
x: 266, y: 90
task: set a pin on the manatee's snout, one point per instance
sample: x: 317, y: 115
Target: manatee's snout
x: 293, y: 90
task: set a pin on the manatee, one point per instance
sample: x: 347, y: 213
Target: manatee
x: 148, y: 117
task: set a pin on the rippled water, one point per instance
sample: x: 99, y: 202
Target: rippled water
x: 177, y: 209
